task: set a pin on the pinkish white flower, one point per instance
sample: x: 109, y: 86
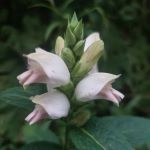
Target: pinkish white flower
x: 52, y: 104
x: 98, y: 86
x: 45, y: 67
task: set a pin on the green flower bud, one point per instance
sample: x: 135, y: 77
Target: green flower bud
x: 59, y: 45
x: 78, y: 48
x: 68, y: 57
x: 88, y: 59
x: 78, y: 31
x: 70, y: 38
x: 74, y: 21
x: 81, y: 117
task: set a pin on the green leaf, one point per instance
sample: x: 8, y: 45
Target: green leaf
x: 41, y: 146
x: 112, y: 133
x: 39, y: 132
x: 19, y: 97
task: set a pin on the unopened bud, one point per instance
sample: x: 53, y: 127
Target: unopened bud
x: 59, y: 45
x: 88, y: 60
x: 68, y: 56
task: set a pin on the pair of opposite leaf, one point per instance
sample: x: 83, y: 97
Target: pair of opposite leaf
x: 49, y: 68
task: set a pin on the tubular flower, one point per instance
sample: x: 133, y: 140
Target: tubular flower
x: 89, y: 41
x: 98, y: 86
x: 52, y: 104
x: 45, y: 67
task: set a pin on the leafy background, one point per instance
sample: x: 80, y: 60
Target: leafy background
x: 124, y: 27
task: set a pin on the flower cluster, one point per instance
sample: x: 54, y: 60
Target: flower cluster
x: 75, y: 62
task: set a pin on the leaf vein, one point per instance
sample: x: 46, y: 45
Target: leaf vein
x: 93, y: 138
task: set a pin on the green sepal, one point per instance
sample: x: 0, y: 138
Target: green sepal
x: 68, y: 56
x: 79, y: 48
x: 70, y: 38
x: 74, y: 21
x: 78, y: 73
x: 78, y: 31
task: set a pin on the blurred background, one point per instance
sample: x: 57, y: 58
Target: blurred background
x: 124, y: 27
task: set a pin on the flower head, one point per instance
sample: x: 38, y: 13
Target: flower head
x: 52, y: 104
x: 45, y: 67
x: 98, y: 86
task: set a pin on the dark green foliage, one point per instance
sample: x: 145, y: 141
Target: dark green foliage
x: 112, y: 133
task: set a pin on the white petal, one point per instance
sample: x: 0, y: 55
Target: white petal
x: 107, y: 94
x: 53, y: 66
x: 88, y: 88
x: 54, y: 102
x: 91, y: 39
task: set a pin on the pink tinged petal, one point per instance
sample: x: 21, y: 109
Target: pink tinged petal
x: 89, y: 88
x: 36, y: 77
x: 118, y: 94
x: 24, y: 76
x: 36, y: 115
x: 91, y: 39
x: 54, y: 102
x: 52, y: 65
x: 107, y: 94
